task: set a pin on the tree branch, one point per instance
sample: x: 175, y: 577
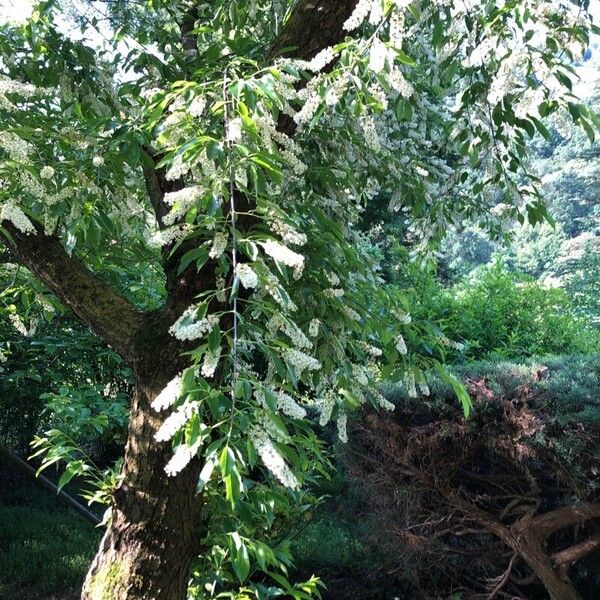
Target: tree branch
x: 571, y: 555
x: 92, y: 300
x: 565, y: 516
x: 312, y: 26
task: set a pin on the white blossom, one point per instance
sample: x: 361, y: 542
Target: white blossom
x: 288, y: 406
x: 326, y: 404
x: 410, y: 384
x: 175, y: 421
x: 282, y: 253
x: 98, y: 161
x: 185, y: 328
x: 359, y: 14
x: 219, y: 245
x: 234, y: 130
x: 313, y: 327
x: 321, y: 60
x: 12, y: 213
x: 211, y: 361
x: 272, y: 459
x: 18, y: 324
x: 301, y: 361
x: 47, y: 172
x: 181, y: 458
x: 247, y: 275
x: 197, y: 106
x: 377, y: 56
x: 401, y: 344
x: 169, y: 395
x: 342, y: 423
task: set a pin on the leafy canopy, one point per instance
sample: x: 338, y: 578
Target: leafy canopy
x: 214, y: 143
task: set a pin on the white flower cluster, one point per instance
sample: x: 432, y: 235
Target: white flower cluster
x: 351, y: 313
x: 333, y: 292
x: 47, y: 172
x: 98, y: 161
x: 424, y: 388
x: 169, y: 395
x: 187, y: 329
x: 326, y: 405
x: 24, y: 90
x: 397, y: 80
x: 288, y: 406
x: 18, y: 324
x: 272, y: 459
x: 301, y: 361
x: 181, y: 458
x: 313, y: 327
x: 403, y: 317
x: 247, y: 275
x: 283, y: 254
x: 175, y: 421
x: 234, y: 130
x: 367, y: 124
x: 164, y: 237
x: 211, y: 361
x: 12, y: 213
x: 336, y: 90
x: 451, y: 343
x: 287, y: 233
x: 197, y: 106
x: 342, y: 424
x: 279, y: 323
x: 17, y: 148
x: 382, y: 401
x: 410, y: 385
x: 320, y: 61
x: 401, y: 345
x: 286, y: 146
x: 377, y: 56
x: 372, y: 350
x: 219, y: 244
x: 308, y: 110
x: 359, y: 14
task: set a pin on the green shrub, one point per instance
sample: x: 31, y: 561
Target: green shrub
x: 494, y: 312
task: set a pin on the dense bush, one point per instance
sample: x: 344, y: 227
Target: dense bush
x: 494, y: 312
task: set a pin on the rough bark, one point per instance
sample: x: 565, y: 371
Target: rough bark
x: 153, y: 534
x: 312, y: 26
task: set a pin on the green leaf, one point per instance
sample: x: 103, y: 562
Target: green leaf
x: 459, y: 390
x: 200, y: 255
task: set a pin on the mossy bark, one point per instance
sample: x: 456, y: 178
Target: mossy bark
x: 153, y: 535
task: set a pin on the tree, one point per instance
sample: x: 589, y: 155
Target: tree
x: 204, y: 141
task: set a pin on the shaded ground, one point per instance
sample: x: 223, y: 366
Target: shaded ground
x: 45, y: 547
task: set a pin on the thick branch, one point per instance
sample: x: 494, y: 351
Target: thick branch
x: 92, y: 300
x: 571, y: 555
x: 312, y: 26
x: 566, y: 516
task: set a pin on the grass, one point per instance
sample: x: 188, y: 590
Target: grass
x: 45, y: 547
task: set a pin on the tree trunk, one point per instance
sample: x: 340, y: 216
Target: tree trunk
x: 153, y: 536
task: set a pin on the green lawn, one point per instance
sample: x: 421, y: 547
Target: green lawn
x: 45, y: 547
